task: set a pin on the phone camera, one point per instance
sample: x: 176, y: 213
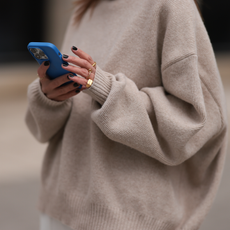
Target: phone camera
x: 38, y: 53
x: 37, y: 56
x: 33, y: 50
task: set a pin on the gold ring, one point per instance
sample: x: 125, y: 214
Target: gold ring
x: 40, y: 77
x: 89, y: 83
x: 94, y: 64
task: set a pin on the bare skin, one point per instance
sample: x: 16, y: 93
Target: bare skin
x: 54, y: 90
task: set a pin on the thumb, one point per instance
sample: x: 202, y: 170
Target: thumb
x: 42, y: 69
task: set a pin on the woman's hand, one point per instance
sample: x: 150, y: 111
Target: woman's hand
x: 52, y: 88
x: 84, y: 66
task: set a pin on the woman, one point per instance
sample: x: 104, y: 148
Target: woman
x: 143, y: 146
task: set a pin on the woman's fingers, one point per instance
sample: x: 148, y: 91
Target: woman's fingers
x: 56, y: 89
x: 63, y: 90
x: 87, y: 67
x: 55, y: 83
x: 79, y: 80
x: 81, y: 54
x: 78, y: 62
x: 42, y: 70
x: 83, y: 66
x: 79, y: 71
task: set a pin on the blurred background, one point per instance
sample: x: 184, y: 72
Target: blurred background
x: 21, y: 156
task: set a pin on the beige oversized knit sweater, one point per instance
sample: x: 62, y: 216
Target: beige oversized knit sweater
x: 144, y: 147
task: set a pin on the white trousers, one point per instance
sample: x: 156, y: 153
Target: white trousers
x: 48, y: 223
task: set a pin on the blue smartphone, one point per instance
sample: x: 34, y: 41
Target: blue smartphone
x: 45, y: 51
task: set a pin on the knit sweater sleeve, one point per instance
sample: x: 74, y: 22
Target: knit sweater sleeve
x: 45, y: 117
x: 175, y: 120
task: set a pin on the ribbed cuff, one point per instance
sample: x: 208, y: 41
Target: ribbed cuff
x: 35, y: 93
x: 101, y: 86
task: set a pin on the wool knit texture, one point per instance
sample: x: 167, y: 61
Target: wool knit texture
x: 144, y: 147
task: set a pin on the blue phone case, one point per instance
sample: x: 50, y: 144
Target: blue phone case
x: 53, y: 55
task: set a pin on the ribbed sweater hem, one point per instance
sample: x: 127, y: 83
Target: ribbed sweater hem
x: 35, y: 90
x: 80, y: 214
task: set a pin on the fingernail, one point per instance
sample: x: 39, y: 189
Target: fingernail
x: 65, y: 64
x: 71, y: 75
x: 77, y: 91
x: 46, y: 63
x: 65, y: 56
x: 75, y: 85
x: 74, y: 47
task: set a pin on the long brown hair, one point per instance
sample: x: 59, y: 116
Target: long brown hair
x: 84, y: 5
